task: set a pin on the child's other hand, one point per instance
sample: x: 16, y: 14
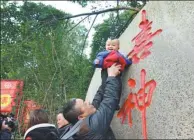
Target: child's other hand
x: 129, y: 57
x: 97, y: 61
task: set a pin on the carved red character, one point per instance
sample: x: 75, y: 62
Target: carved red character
x: 140, y: 100
x: 142, y: 43
x: 126, y: 109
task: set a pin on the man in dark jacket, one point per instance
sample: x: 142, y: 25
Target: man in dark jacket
x: 96, y: 120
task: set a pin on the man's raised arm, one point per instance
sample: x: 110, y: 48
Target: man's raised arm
x: 100, y: 121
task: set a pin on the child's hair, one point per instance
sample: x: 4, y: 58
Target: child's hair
x: 38, y: 116
x: 116, y: 41
x: 108, y: 40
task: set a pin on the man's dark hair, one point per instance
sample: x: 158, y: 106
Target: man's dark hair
x: 70, y: 113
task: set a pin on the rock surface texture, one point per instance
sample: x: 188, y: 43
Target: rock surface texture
x: 171, y: 65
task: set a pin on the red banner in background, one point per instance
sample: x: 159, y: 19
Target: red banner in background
x: 11, y: 94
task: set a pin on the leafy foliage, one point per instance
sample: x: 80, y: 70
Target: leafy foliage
x: 36, y: 49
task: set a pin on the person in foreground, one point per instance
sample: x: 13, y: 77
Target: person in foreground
x: 39, y: 128
x: 98, y: 115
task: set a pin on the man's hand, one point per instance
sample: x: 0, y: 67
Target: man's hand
x: 114, y: 70
x: 97, y: 61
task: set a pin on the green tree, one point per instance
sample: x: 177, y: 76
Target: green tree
x: 36, y: 48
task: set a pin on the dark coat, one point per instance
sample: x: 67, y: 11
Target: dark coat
x: 5, y: 134
x: 44, y: 131
x: 63, y: 130
x: 97, y: 125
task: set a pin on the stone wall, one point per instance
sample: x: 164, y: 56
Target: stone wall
x: 171, y: 65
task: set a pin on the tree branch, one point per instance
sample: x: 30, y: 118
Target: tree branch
x: 76, y: 24
x: 118, y: 19
x: 85, y: 43
x: 103, y: 11
x: 88, y: 34
x: 49, y: 87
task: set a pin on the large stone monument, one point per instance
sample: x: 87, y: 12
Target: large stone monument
x: 170, y: 64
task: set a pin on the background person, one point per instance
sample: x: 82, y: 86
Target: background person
x: 39, y: 127
x: 63, y: 124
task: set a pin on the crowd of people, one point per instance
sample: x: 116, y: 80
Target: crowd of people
x: 80, y: 119
x: 7, y: 125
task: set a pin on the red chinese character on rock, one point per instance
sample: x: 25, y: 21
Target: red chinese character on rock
x: 141, y: 100
x: 142, y: 43
x: 126, y: 109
